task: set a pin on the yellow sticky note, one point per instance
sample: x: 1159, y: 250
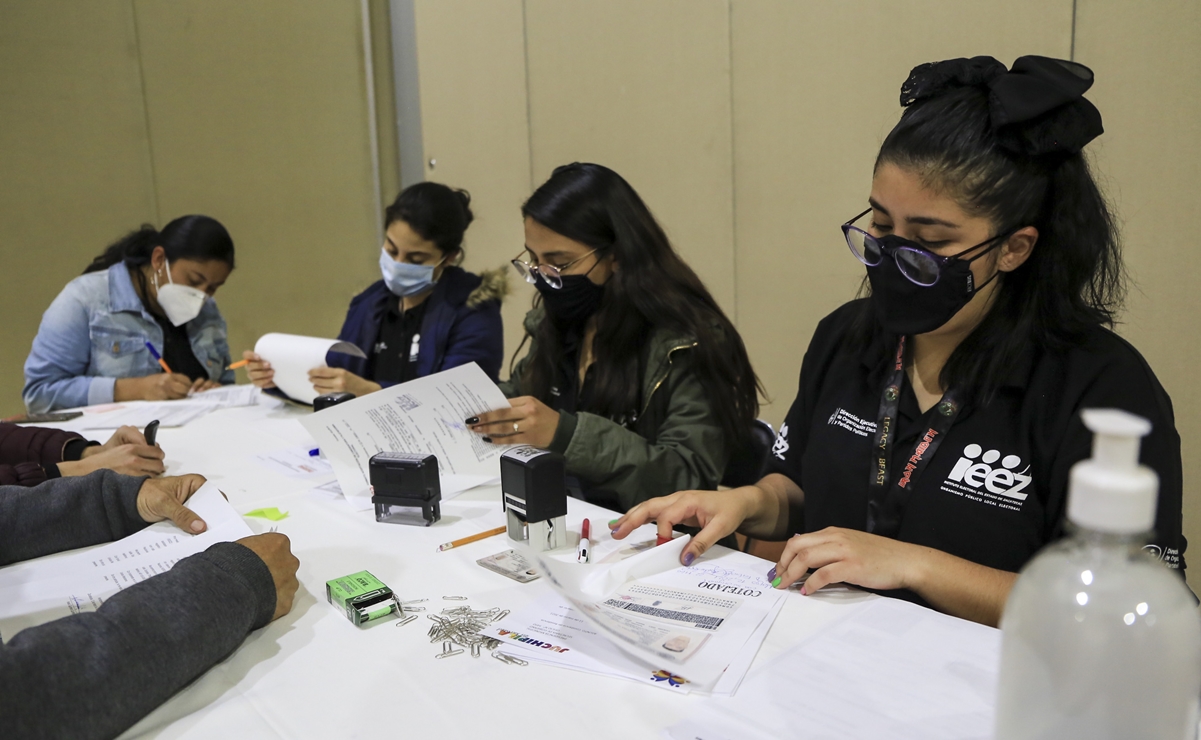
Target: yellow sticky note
x: 272, y: 513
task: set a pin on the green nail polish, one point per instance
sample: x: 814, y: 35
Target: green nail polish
x: 612, y: 523
x: 776, y: 582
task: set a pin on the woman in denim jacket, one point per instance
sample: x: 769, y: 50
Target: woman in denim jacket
x: 150, y: 288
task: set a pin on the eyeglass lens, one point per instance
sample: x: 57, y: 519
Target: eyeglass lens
x: 531, y: 273
x: 920, y: 267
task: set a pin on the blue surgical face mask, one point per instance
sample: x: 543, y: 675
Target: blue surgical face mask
x: 405, y: 279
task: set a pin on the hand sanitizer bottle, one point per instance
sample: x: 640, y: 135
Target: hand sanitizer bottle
x: 1099, y: 639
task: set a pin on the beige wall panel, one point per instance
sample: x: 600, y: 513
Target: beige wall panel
x: 1148, y: 67
x: 643, y: 87
x: 816, y: 88
x: 73, y: 153
x: 471, y: 61
x: 259, y: 117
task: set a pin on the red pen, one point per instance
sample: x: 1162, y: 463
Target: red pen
x: 582, y: 551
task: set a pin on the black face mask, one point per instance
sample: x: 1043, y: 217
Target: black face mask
x: 570, y: 306
x: 904, y: 307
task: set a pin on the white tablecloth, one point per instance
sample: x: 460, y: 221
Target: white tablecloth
x: 312, y: 674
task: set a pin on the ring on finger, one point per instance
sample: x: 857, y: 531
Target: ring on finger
x: 515, y: 429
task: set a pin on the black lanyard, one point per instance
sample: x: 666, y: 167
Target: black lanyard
x: 886, y: 504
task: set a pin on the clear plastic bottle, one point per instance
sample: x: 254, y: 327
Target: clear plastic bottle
x: 1099, y: 639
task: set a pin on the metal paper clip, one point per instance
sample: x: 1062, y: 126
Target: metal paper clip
x: 449, y: 654
x: 454, y: 598
x: 414, y: 601
x: 510, y: 659
x: 406, y: 620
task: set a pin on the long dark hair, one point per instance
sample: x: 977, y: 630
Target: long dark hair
x: 1073, y: 279
x: 437, y: 213
x: 653, y: 288
x: 198, y: 238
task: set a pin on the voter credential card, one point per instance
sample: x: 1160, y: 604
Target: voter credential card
x: 510, y: 563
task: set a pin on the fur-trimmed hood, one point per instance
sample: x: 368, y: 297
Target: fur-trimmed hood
x: 494, y: 286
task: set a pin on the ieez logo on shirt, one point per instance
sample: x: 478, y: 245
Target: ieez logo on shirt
x: 974, y: 477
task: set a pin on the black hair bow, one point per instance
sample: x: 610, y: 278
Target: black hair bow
x: 1037, y: 107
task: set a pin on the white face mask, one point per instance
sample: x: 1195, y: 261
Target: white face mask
x: 180, y: 302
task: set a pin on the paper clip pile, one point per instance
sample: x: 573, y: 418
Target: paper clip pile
x: 457, y: 628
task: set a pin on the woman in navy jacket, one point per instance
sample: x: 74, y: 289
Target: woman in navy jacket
x: 426, y: 314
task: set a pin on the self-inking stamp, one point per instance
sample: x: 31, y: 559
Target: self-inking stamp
x: 533, y: 486
x: 405, y: 488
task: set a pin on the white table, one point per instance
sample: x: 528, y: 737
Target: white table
x: 314, y: 674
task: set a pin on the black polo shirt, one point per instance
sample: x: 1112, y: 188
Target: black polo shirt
x: 394, y: 356
x: 995, y: 491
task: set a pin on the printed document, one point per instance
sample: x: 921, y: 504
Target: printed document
x: 649, y: 619
x: 140, y: 413
x: 42, y: 590
x: 889, y: 668
x: 425, y: 415
x: 292, y: 357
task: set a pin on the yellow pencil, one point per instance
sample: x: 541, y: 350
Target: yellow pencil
x: 472, y: 538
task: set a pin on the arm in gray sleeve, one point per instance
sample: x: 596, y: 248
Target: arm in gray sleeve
x: 93, y: 675
x: 66, y: 513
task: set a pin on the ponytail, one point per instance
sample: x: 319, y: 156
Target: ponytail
x: 198, y: 238
x: 133, y: 249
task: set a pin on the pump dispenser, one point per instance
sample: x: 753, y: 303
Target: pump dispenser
x: 1099, y: 639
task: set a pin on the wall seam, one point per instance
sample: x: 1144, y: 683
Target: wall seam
x: 372, y: 122
x: 137, y: 41
x: 1072, y: 48
x: 733, y: 160
x: 529, y: 112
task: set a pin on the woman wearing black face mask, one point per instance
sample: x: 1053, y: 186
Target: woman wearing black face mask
x: 927, y: 452
x: 633, y: 373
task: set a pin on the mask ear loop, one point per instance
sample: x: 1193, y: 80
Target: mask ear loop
x: 998, y: 242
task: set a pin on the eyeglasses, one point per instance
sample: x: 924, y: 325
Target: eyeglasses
x: 915, y: 262
x: 551, y: 274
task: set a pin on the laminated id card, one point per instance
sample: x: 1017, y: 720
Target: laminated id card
x: 510, y: 563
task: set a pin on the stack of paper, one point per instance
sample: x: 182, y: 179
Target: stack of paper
x: 422, y: 416
x: 889, y: 669
x: 39, y: 591
x: 648, y: 619
x: 167, y: 413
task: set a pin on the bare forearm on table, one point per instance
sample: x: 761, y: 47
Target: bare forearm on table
x: 960, y: 587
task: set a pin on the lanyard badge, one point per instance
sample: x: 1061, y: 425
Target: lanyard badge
x: 886, y: 503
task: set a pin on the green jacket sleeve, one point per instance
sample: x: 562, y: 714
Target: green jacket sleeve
x: 510, y: 387
x: 687, y: 450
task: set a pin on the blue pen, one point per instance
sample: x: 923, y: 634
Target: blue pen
x: 154, y: 353
x: 315, y: 452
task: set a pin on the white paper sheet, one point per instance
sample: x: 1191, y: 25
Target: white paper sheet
x: 295, y: 462
x: 140, y: 413
x: 227, y: 396
x: 648, y: 619
x: 293, y: 356
x: 890, y: 669
x: 425, y: 415
x: 39, y: 591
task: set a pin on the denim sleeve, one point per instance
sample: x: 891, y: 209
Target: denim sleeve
x: 56, y: 370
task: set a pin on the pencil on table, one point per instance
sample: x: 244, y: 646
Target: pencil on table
x: 472, y: 538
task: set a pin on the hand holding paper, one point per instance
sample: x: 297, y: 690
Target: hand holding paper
x: 163, y: 498
x: 421, y: 416
x: 292, y: 357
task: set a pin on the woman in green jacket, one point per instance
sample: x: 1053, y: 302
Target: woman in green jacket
x: 634, y: 373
